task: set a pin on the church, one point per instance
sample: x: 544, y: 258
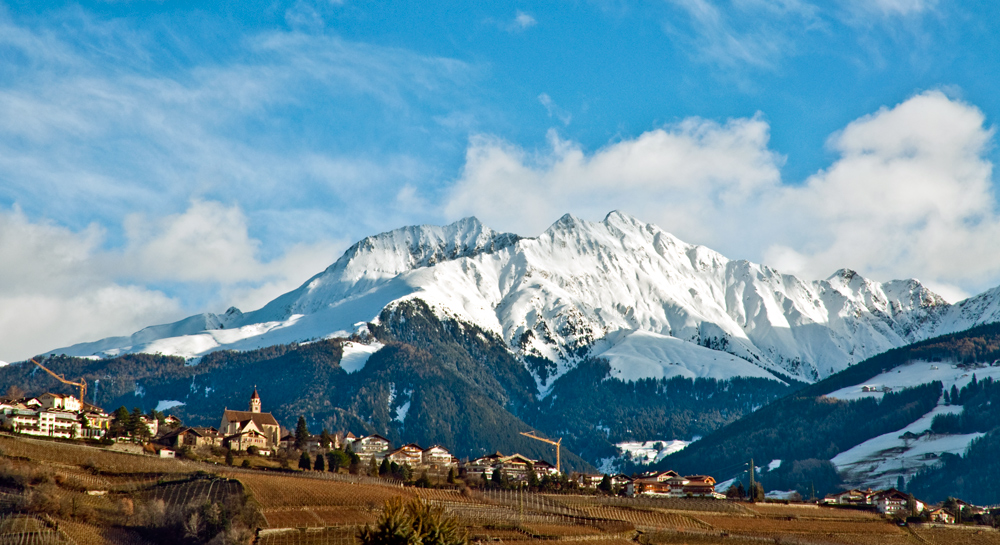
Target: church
x: 245, y: 429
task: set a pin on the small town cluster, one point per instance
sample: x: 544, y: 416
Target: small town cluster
x: 257, y: 432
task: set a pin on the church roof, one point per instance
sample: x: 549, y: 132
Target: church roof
x: 260, y: 419
x: 255, y: 394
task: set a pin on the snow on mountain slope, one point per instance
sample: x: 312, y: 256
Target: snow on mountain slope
x: 879, y: 461
x: 642, y: 354
x: 557, y: 295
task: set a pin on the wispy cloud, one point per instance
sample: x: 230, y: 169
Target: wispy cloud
x: 523, y: 21
x: 742, y: 33
x: 554, y: 110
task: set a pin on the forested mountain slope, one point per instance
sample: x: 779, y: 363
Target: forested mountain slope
x: 943, y: 399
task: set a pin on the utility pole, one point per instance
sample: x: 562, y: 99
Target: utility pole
x: 753, y: 489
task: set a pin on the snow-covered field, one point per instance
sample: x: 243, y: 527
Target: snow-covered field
x: 917, y: 373
x: 879, y: 461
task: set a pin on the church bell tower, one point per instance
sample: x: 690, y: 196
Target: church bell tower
x: 255, y: 401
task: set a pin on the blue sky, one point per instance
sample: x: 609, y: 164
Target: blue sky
x: 163, y: 158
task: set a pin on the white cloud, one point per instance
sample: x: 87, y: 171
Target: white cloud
x: 681, y: 176
x: 59, y: 287
x: 910, y: 195
x: 523, y: 21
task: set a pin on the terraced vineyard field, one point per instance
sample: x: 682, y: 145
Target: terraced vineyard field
x: 277, y: 490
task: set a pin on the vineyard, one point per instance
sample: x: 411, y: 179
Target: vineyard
x: 88, y: 496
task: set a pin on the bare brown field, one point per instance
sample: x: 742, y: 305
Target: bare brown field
x: 86, y: 534
x: 325, y: 536
x: 559, y: 530
x: 291, y: 491
x: 811, y: 512
x: 647, y: 519
x: 318, y: 517
x: 66, y: 455
x: 958, y: 536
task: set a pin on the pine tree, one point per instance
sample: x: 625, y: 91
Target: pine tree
x: 384, y: 469
x: 305, y: 462
x: 325, y: 440
x: 605, y: 485
x: 301, y: 433
x: 451, y: 476
x: 372, y: 467
x: 229, y: 457
x: 320, y: 463
x: 497, y: 477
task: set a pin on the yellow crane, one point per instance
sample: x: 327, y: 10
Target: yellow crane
x: 558, y: 445
x: 82, y: 385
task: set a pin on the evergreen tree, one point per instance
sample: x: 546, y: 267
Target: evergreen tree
x: 384, y: 469
x: 605, y: 485
x: 325, y: 440
x: 372, y: 467
x: 424, y: 481
x: 229, y: 457
x: 305, y: 462
x: 497, y: 477
x: 320, y: 463
x: 337, y: 459
x: 742, y: 491
x: 301, y: 433
x: 451, y: 476
x: 121, y: 422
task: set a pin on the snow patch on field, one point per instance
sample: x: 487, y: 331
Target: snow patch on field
x: 167, y: 404
x: 356, y: 355
x: 649, y: 452
x: 879, y: 461
x: 917, y: 373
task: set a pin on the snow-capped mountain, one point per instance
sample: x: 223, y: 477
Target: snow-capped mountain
x: 653, y: 305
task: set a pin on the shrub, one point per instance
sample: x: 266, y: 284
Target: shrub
x: 415, y: 523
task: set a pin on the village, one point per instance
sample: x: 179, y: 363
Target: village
x: 263, y: 443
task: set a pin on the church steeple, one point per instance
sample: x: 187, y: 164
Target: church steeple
x: 255, y: 401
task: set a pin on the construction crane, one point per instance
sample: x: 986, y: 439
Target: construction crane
x: 82, y: 385
x: 558, y: 445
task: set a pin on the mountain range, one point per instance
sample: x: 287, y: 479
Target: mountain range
x: 620, y: 289
x: 597, y: 332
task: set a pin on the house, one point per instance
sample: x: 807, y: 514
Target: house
x: 44, y: 422
x: 655, y: 482
x: 699, y: 486
x: 411, y: 455
x: 621, y: 481
x: 249, y: 437
x: 588, y: 481
x: 192, y: 438
x: 893, y: 502
x: 371, y: 446
x: 172, y: 421
x: 853, y: 496
x: 152, y: 424
x: 238, y: 422
x: 941, y: 515
x: 516, y: 467
x: 59, y: 401
x: 437, y: 458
